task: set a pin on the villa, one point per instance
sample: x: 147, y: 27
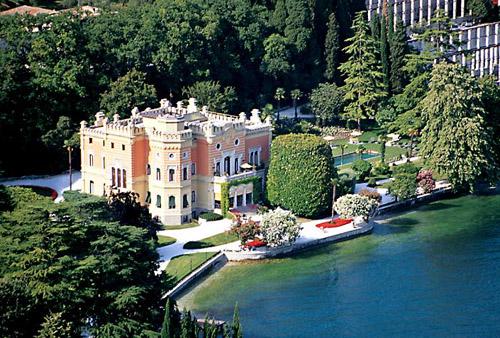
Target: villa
x: 181, y: 161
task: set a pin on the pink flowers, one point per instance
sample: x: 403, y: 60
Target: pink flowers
x: 425, y: 181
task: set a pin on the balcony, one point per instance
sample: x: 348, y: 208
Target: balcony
x: 235, y: 177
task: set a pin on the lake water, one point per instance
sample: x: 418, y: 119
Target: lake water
x: 431, y: 272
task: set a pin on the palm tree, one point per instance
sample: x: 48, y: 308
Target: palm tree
x: 296, y: 94
x: 267, y: 110
x: 360, y: 150
x: 280, y: 94
x: 342, y: 150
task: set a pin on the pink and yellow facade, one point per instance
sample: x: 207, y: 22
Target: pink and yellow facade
x: 176, y: 158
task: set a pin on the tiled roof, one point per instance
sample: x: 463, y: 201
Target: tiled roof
x: 27, y: 10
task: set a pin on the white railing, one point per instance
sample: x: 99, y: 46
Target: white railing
x: 235, y: 177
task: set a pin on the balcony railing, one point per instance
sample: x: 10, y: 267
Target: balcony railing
x: 235, y: 177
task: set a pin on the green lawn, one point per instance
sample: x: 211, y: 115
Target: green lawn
x: 165, y: 240
x: 182, y: 226
x: 215, y: 240
x: 389, y: 151
x: 181, y: 266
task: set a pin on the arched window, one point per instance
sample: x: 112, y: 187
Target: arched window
x: 148, y: 169
x: 158, y: 201
x: 124, y: 178
x: 184, y: 173
x: 91, y: 160
x: 103, y: 162
x: 193, y: 196
x: 148, y: 197
x: 91, y: 187
x: 158, y: 174
x: 171, y: 202
x: 171, y: 175
x: 236, y: 165
x: 185, y: 202
x: 118, y: 178
x: 193, y: 169
x: 113, y: 181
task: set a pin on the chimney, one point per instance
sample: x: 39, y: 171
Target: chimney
x: 99, y: 117
x: 255, y: 118
x: 243, y: 116
x: 192, y: 108
x: 134, y: 112
x: 204, y: 109
x: 180, y: 105
x: 116, y: 118
x: 164, y: 103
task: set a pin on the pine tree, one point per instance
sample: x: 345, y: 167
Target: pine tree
x: 456, y: 140
x: 398, y: 50
x: 363, y: 77
x: 384, y: 52
x: 237, y: 331
x: 332, y: 49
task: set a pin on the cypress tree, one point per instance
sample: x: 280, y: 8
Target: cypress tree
x: 375, y: 27
x: 167, y: 328
x: 384, y: 53
x: 332, y: 49
x: 390, y: 23
x: 398, y: 50
x: 185, y: 325
x: 206, y: 326
x: 237, y: 331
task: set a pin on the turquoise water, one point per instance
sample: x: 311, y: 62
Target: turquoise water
x: 432, y: 272
x: 349, y: 158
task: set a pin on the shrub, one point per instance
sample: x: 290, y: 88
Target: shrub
x: 380, y: 168
x: 346, y: 184
x: 362, y: 169
x: 280, y: 227
x: 406, y: 168
x: 352, y: 206
x: 211, y: 216
x: 425, y: 181
x: 404, y: 186
x: 372, y: 182
x: 373, y: 194
x: 300, y: 174
x: 244, y: 230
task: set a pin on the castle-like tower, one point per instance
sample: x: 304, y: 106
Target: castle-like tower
x: 176, y: 158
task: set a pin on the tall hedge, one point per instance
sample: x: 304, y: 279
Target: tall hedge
x: 300, y: 174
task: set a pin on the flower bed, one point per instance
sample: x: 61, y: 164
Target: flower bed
x: 335, y: 224
x: 256, y: 243
x: 44, y: 191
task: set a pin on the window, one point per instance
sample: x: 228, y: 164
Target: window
x: 158, y: 201
x: 236, y: 165
x: 104, y: 189
x: 91, y: 160
x: 113, y: 177
x: 123, y: 147
x: 158, y: 174
x: 148, y: 169
x: 112, y: 145
x: 124, y: 178
x: 185, y: 154
x: 217, y: 168
x: 103, y: 162
x: 91, y: 187
x: 193, y: 169
x: 193, y: 196
x: 171, y: 156
x: 171, y: 202
x: 171, y: 175
x: 184, y: 174
x: 218, y: 146
x: 103, y: 143
x: 90, y: 140
x: 237, y: 142
x: 148, y: 197
x: 185, y: 202
x: 118, y: 178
